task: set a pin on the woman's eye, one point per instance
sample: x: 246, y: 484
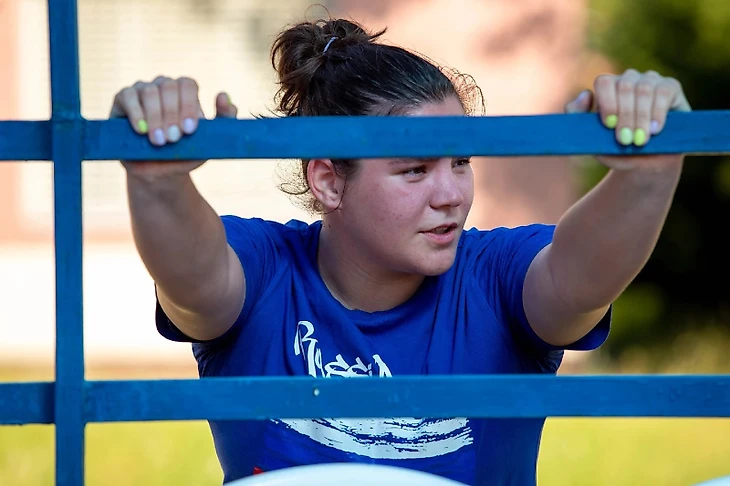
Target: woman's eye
x: 462, y: 162
x: 421, y: 169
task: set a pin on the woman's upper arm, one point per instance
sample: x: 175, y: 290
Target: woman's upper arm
x: 221, y: 312
x: 549, y: 315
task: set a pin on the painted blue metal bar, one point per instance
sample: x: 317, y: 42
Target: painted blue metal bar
x: 338, y: 137
x: 421, y: 396
x: 25, y: 140
x: 26, y: 403
x: 700, y: 132
x: 67, y: 153
x: 437, y: 396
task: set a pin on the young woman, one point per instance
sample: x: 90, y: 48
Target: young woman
x: 389, y: 282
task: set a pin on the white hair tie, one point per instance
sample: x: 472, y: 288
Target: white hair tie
x: 328, y: 44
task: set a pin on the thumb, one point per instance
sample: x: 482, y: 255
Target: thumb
x: 581, y: 104
x: 223, y: 106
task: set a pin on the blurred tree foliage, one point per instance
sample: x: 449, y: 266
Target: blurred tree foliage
x: 683, y: 287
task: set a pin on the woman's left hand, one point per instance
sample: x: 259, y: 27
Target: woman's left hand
x: 635, y: 105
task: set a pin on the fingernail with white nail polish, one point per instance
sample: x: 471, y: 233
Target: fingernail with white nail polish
x: 654, y: 127
x: 173, y: 134
x: 158, y: 137
x: 188, y: 126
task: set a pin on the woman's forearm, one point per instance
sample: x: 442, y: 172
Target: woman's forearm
x: 606, y: 238
x: 180, y: 238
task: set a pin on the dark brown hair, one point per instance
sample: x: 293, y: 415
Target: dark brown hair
x: 336, y: 68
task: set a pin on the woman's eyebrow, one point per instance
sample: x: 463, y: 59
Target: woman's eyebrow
x: 414, y: 160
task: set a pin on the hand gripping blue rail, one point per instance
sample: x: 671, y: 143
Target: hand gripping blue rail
x: 70, y: 401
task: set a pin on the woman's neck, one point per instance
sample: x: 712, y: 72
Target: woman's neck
x: 356, y: 282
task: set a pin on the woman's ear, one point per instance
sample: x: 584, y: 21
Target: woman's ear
x: 324, y: 182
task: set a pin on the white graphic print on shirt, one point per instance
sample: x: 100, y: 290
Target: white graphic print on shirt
x: 382, y: 438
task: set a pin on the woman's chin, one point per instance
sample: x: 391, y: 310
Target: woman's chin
x: 437, y: 265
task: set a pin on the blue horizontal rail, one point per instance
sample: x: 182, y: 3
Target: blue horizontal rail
x: 25, y: 140
x: 421, y: 396
x: 701, y: 132
x: 26, y: 403
x: 524, y: 396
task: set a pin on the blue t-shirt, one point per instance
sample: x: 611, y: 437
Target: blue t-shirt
x: 469, y: 320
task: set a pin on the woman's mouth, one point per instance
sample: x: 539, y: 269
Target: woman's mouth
x: 442, y: 235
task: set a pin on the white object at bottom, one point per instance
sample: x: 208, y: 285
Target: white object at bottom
x: 723, y: 481
x: 345, y: 474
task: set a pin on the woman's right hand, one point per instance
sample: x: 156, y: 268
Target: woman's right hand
x: 165, y: 110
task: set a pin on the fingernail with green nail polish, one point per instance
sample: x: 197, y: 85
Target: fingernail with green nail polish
x: 142, y: 126
x: 626, y: 136
x: 611, y: 121
x: 639, y: 137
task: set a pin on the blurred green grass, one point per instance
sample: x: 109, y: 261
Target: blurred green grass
x: 598, y: 452
x: 636, y: 451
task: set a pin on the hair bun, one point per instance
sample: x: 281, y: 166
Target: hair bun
x: 299, y: 51
x: 347, y: 32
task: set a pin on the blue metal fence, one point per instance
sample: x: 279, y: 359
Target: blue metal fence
x: 70, y: 402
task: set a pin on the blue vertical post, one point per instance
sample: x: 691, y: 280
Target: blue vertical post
x: 67, y: 136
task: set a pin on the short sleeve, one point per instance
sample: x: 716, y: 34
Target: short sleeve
x: 255, y: 243
x: 503, y: 258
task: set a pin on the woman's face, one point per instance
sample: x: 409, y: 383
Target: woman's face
x: 406, y: 215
